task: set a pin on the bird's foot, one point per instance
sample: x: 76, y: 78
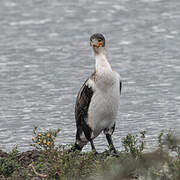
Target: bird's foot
x: 95, y: 152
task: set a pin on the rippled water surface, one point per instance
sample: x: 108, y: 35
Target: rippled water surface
x: 45, y: 57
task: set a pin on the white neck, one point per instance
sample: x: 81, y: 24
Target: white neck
x: 102, y: 65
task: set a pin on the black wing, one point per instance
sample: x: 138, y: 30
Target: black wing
x: 82, y: 104
x: 120, y: 87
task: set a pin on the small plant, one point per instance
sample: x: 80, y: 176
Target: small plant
x: 171, y: 143
x: 169, y: 140
x: 134, y: 144
x: 9, y: 164
x: 160, y: 140
x: 44, y: 140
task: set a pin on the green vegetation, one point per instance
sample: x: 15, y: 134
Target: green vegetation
x: 134, y: 145
x: 47, y: 161
x: 44, y: 140
x: 9, y: 163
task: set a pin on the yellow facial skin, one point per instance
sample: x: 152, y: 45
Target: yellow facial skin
x: 99, y: 44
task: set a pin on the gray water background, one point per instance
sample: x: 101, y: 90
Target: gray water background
x: 45, y: 57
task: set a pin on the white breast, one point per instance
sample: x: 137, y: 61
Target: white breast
x: 105, y: 102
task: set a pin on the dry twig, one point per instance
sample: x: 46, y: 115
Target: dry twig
x: 37, y: 174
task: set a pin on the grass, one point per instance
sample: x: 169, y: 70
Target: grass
x: 47, y: 161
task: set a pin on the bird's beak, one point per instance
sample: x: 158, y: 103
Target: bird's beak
x: 95, y: 43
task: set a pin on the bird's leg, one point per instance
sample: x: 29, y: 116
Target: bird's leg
x: 93, y: 147
x: 110, y: 142
x: 108, y: 132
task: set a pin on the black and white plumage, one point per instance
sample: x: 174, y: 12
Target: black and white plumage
x: 98, y: 99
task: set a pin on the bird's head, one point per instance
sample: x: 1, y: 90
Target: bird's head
x: 97, y: 41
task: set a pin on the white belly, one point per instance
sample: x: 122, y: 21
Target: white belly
x: 103, y: 108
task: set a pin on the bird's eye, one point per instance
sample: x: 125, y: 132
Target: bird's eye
x: 99, y: 40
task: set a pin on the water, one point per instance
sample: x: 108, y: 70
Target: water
x: 45, y: 57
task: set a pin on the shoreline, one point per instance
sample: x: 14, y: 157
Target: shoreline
x: 47, y: 161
